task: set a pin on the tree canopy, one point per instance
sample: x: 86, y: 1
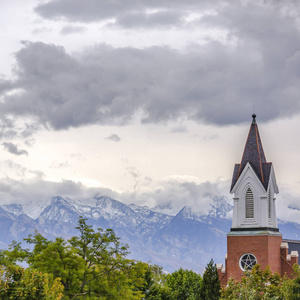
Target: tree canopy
x: 92, y: 264
x: 211, y: 284
x: 259, y: 284
x: 27, y: 284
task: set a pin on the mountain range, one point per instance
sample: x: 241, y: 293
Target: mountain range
x: 187, y: 239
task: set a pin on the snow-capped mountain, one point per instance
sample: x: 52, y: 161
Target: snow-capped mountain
x: 189, y: 239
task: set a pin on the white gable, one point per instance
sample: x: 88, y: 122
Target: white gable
x: 263, y: 206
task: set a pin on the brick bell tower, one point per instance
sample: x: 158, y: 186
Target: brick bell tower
x: 254, y: 237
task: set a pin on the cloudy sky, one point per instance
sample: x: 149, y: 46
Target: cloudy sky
x: 146, y: 101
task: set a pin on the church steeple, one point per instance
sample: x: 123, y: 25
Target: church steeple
x: 254, y: 237
x: 253, y: 154
x: 254, y: 186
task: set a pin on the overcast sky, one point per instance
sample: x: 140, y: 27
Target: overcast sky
x: 146, y: 101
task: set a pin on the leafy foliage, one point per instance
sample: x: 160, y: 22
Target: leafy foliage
x: 92, y: 264
x: 262, y: 284
x: 26, y: 284
x: 211, y: 288
x: 180, y: 285
x: 291, y: 287
x: 184, y: 284
x: 155, y: 288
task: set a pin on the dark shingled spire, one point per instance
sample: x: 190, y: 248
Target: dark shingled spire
x: 254, y: 154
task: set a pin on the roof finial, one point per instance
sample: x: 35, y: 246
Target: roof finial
x: 253, y: 119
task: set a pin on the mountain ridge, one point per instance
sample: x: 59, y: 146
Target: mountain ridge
x: 189, y: 239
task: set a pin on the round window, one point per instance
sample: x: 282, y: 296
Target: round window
x: 247, y: 261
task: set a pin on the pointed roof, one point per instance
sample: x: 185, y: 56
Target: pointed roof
x: 253, y: 154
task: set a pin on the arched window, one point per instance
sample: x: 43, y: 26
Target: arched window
x: 269, y: 204
x: 249, y: 204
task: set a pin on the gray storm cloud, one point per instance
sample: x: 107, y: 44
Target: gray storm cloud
x: 142, y: 19
x: 106, y: 85
x: 214, y: 82
x: 72, y: 29
x: 91, y: 10
x: 149, y: 14
x: 13, y: 149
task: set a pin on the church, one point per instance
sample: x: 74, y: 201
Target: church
x: 254, y: 237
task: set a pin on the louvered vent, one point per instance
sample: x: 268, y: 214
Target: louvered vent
x: 269, y: 204
x: 249, y: 204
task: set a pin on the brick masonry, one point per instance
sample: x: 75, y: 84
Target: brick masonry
x: 268, y: 250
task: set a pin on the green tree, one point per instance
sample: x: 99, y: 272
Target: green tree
x: 255, y: 285
x: 184, y: 284
x: 92, y: 264
x: 211, y: 288
x: 155, y: 287
x: 26, y: 284
x: 159, y: 292
x: 291, y: 286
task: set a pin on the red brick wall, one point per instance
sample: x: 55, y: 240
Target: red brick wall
x: 274, y: 261
x: 266, y: 249
x: 222, y: 277
x: 286, y: 267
